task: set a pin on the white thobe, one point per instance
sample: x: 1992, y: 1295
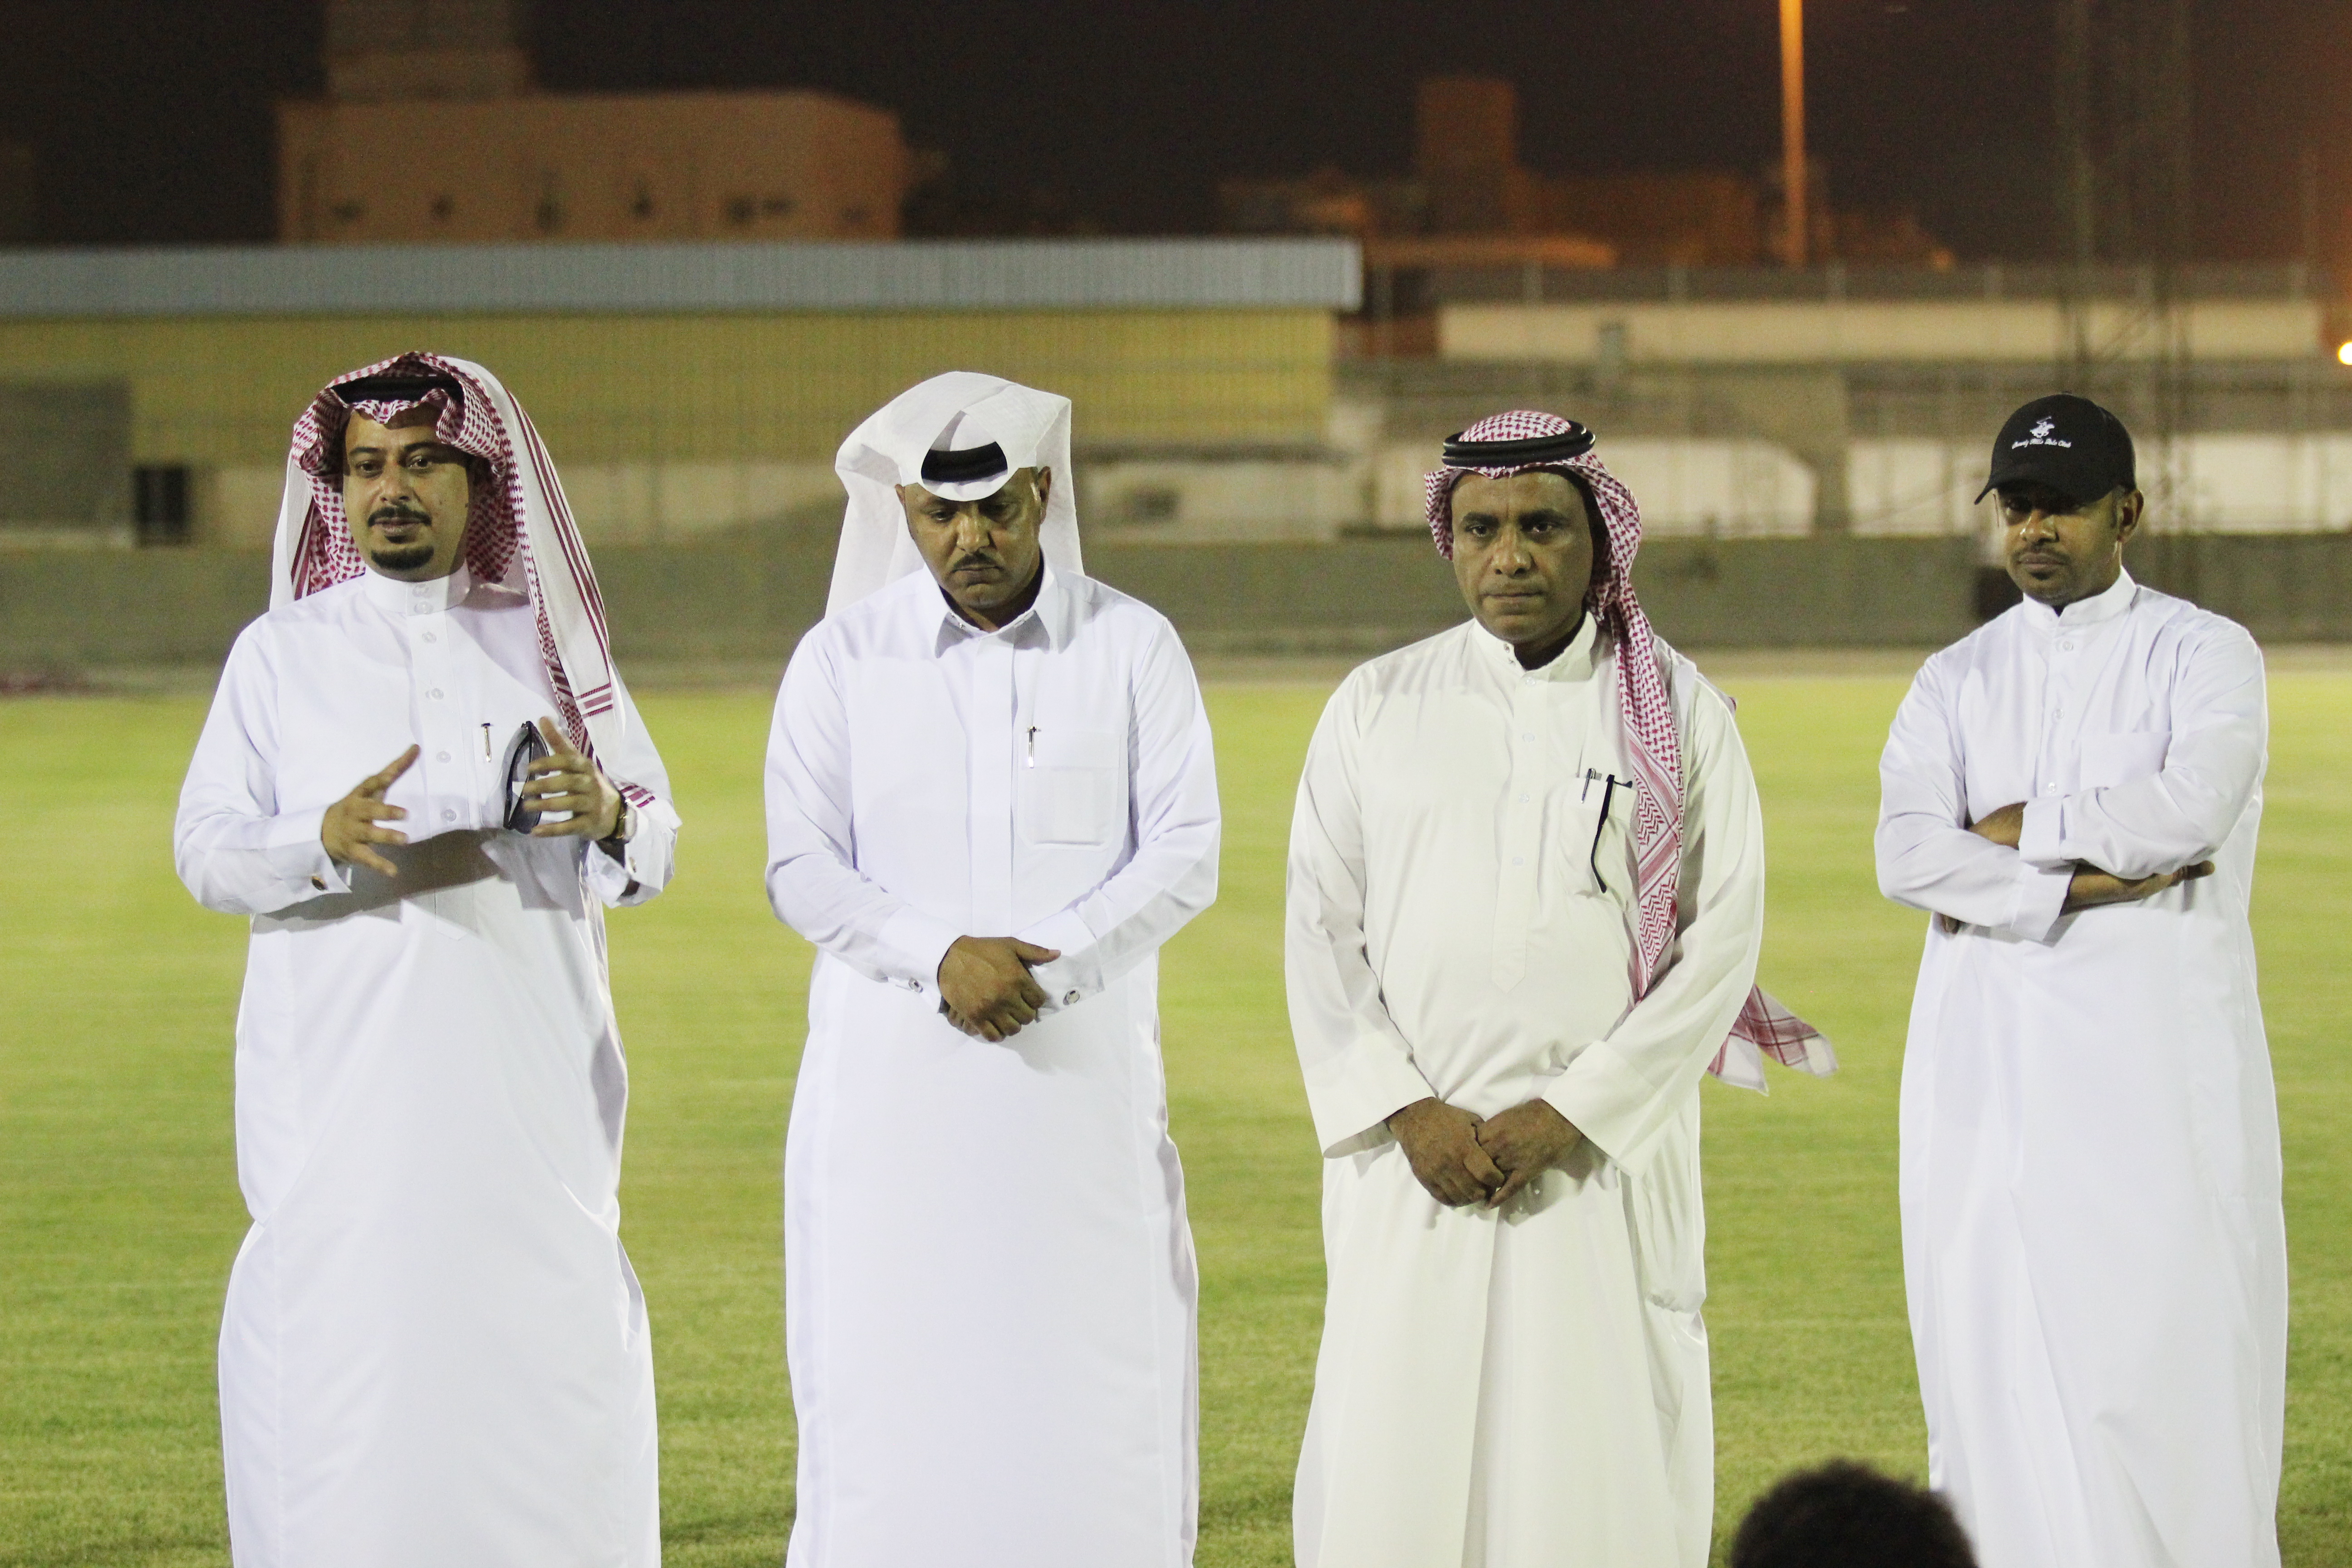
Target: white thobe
x: 1523, y: 1387
x: 433, y: 1349
x: 989, y: 1281
x: 2092, y: 1241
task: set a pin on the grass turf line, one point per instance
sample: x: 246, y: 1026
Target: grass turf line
x: 119, y: 1212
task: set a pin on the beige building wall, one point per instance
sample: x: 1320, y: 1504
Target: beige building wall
x: 685, y: 165
x: 669, y: 426
x: 1718, y: 333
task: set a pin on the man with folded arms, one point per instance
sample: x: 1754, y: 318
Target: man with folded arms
x: 2093, y: 1246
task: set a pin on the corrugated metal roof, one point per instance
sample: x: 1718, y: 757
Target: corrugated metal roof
x: 502, y: 279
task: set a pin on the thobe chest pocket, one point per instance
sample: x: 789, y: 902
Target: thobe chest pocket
x: 1595, y: 833
x: 2119, y: 756
x: 1074, y: 785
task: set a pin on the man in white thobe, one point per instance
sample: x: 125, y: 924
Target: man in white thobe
x: 991, y: 799
x: 2092, y: 1241
x: 1525, y: 895
x: 433, y: 1349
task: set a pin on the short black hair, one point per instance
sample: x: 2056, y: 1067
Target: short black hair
x: 1847, y: 1515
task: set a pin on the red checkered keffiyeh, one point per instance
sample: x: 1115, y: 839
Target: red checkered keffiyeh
x: 519, y: 514
x: 1654, y: 747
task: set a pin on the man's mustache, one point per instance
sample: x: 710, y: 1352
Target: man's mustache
x: 976, y: 558
x: 398, y: 514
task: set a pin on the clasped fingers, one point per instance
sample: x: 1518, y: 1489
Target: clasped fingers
x: 569, y: 783
x: 1464, y: 1178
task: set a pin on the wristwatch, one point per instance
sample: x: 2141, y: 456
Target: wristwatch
x: 625, y: 823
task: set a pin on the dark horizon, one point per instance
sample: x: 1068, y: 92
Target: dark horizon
x: 1125, y: 123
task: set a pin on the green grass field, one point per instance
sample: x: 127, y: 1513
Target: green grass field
x: 118, y: 1211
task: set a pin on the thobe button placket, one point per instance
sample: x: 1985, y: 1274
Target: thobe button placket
x: 449, y: 788
x: 995, y: 710
x: 1515, y: 900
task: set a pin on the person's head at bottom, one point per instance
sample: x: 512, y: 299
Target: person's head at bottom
x: 1845, y: 1515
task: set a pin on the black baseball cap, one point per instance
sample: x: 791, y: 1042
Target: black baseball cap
x: 2069, y: 443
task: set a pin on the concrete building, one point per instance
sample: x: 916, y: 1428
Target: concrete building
x: 691, y: 393
x: 1764, y: 402
x: 496, y: 161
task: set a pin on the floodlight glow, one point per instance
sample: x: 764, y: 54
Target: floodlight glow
x: 2344, y: 353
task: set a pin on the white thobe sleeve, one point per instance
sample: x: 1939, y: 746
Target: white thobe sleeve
x: 1357, y: 1066
x: 1172, y: 875
x: 1928, y: 859
x: 813, y: 883
x: 236, y: 853
x: 1622, y: 1088
x: 646, y: 862
x: 2180, y: 815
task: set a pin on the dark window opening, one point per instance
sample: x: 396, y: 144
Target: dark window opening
x: 739, y: 210
x: 1153, y: 503
x: 160, y: 504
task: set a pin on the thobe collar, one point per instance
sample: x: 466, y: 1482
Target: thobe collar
x: 394, y: 597
x: 2104, y: 605
x: 1574, y: 662
x: 1047, y: 616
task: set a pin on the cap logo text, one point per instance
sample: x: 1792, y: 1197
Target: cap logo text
x: 2039, y: 437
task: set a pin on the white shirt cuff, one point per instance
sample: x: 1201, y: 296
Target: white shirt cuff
x: 611, y: 877
x: 2041, y: 840
x: 916, y: 945
x: 1353, y: 1095
x: 295, y: 852
x: 2040, y: 900
x: 1605, y: 1100
x: 1073, y: 977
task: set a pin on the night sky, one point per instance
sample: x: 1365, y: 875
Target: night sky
x: 151, y: 122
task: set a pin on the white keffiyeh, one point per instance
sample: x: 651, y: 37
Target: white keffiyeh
x: 959, y: 414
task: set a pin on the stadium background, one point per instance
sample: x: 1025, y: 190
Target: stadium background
x: 1252, y: 416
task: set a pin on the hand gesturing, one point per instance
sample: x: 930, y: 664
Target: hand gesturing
x: 564, y: 780
x: 350, y: 825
